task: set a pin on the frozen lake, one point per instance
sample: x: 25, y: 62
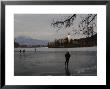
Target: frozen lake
x: 59, y: 49
x: 51, y: 62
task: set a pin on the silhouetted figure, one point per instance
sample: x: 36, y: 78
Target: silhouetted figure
x: 67, y: 56
x: 20, y: 51
x: 35, y: 49
x: 24, y: 51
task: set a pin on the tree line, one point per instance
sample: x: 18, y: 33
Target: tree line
x: 66, y: 43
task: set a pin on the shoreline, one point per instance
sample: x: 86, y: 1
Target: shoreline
x: 59, y: 49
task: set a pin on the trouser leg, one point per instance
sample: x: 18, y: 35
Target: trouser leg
x: 67, y: 62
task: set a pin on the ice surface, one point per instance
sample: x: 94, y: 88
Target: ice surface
x: 52, y: 63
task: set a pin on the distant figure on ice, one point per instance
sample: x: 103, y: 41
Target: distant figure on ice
x: 24, y: 51
x: 20, y: 51
x: 35, y: 49
x: 67, y: 56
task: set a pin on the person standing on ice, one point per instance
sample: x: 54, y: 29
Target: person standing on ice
x: 67, y: 57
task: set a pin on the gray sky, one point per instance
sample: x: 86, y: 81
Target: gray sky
x: 38, y: 26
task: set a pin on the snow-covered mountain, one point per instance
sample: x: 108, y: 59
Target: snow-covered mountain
x: 29, y: 41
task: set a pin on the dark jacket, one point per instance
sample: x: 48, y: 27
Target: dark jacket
x: 67, y: 55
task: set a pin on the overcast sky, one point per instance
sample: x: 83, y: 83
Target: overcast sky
x: 38, y: 26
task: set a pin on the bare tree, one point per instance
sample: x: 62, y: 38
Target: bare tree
x: 66, y: 23
x: 86, y: 25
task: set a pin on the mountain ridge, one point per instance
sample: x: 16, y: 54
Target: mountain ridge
x: 22, y: 40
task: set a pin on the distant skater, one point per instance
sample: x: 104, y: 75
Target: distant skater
x: 67, y: 56
x: 20, y: 51
x: 24, y: 51
x: 35, y: 49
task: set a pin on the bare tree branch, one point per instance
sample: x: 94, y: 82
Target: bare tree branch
x: 66, y: 23
x: 86, y: 25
